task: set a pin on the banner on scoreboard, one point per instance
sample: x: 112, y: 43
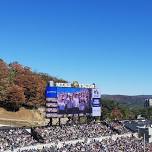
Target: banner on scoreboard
x: 96, y: 102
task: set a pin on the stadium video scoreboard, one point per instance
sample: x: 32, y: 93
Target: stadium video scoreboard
x: 64, y: 99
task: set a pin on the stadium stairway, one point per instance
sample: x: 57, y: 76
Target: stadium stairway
x: 37, y: 136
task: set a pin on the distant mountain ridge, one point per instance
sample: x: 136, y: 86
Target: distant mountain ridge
x: 131, y: 101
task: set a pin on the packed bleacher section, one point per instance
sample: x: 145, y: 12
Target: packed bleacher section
x: 123, y: 144
x: 14, y: 138
x: 18, y: 138
x: 74, y: 132
x: 120, y: 127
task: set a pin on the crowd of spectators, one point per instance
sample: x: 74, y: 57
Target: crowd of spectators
x: 17, y: 138
x: 123, y: 144
x: 74, y: 132
x: 14, y: 138
x: 116, y: 125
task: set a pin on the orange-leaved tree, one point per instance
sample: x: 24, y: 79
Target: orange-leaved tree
x: 15, y: 96
x: 4, y: 83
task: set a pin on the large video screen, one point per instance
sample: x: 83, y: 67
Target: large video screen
x: 69, y: 101
x: 73, y: 100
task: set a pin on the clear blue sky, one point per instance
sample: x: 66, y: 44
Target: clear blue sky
x: 108, y: 42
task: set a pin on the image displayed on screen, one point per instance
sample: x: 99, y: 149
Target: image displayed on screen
x: 73, y: 100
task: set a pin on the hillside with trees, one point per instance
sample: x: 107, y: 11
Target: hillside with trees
x: 21, y: 87
x: 131, y: 101
x: 114, y: 110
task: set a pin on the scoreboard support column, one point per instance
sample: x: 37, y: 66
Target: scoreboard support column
x: 50, y: 122
x: 79, y: 118
x: 59, y: 121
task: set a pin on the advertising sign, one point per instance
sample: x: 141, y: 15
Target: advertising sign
x: 96, y: 93
x: 96, y: 105
x: 96, y: 102
x: 96, y: 111
x: 51, y: 92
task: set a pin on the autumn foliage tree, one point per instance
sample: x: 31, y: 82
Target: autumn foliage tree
x: 4, y: 82
x: 34, y: 88
x: 116, y: 114
x: 4, y: 70
x: 32, y: 84
x: 16, y: 96
x: 18, y: 68
x: 20, y: 86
